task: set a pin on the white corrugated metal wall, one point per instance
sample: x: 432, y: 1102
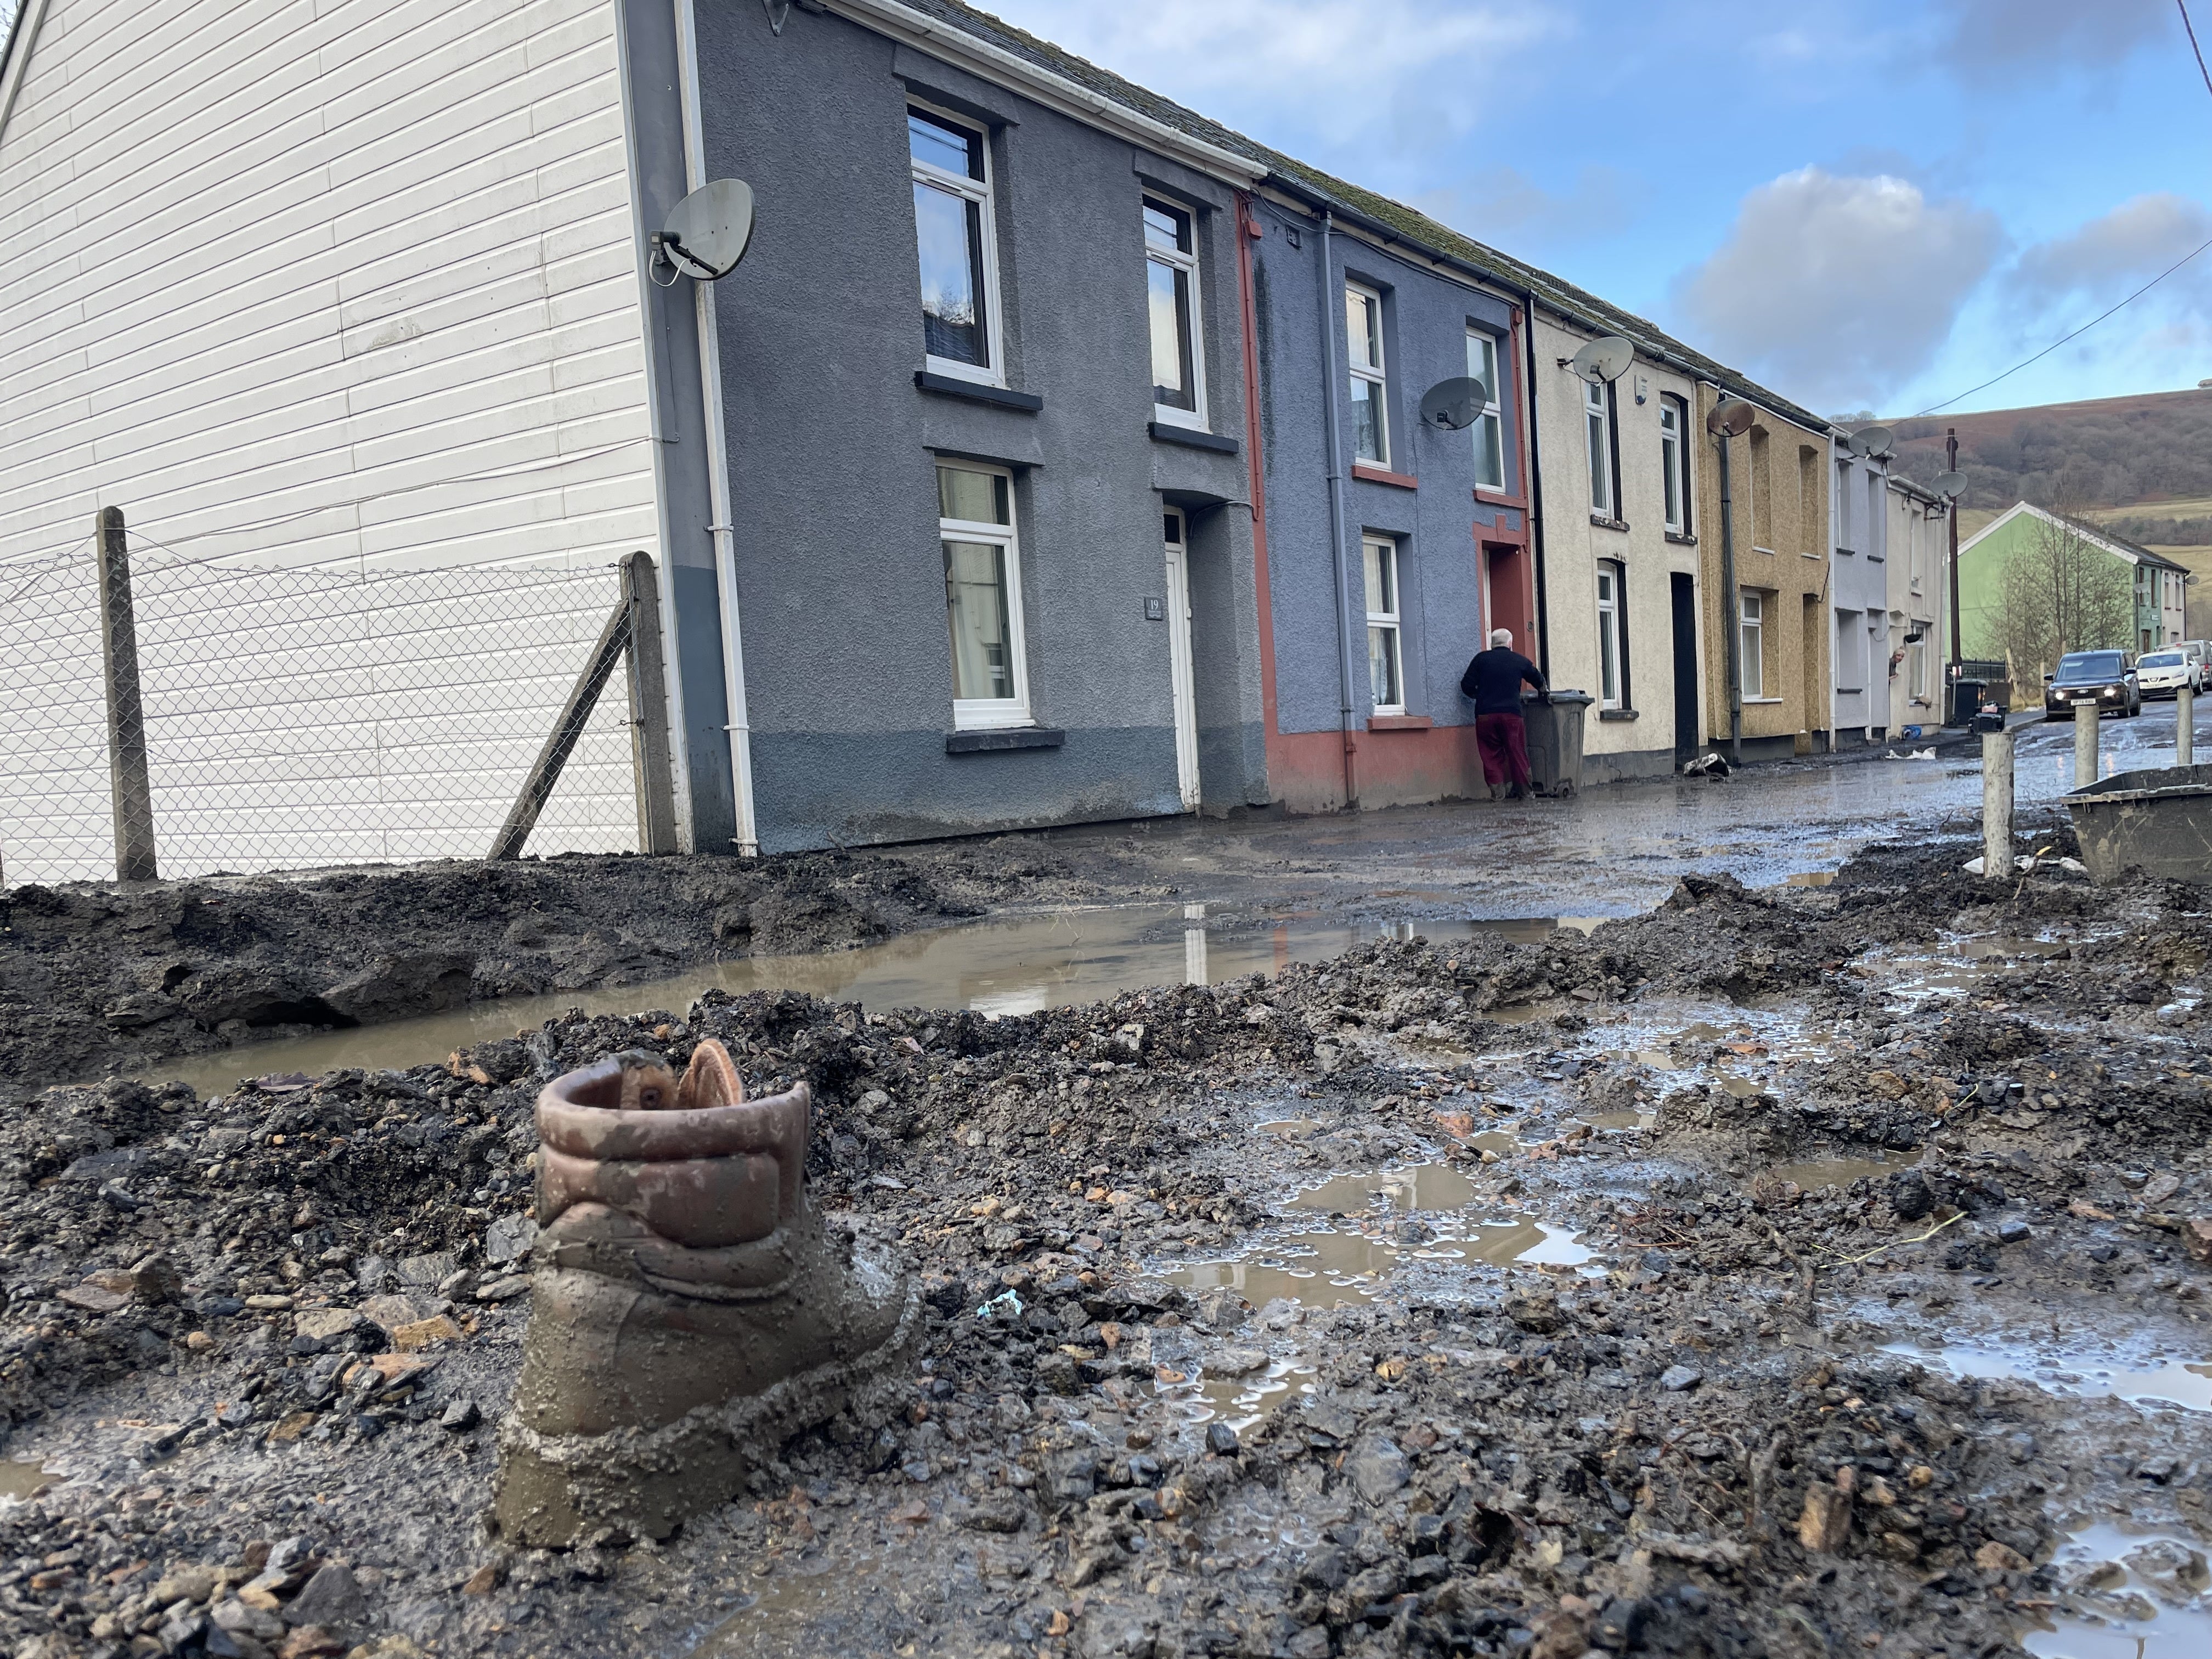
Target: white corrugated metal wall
x: 348, y: 286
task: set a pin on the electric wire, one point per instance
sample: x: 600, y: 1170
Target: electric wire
x: 2182, y: 6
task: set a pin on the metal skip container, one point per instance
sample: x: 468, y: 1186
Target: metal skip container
x: 2157, y: 822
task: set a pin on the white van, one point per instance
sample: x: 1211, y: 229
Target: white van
x: 2163, y: 672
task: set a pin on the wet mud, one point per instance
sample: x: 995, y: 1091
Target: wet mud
x: 1790, y: 1271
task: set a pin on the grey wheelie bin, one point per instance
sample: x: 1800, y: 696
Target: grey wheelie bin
x: 1555, y: 740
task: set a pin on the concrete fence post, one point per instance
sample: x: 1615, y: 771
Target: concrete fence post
x: 2086, y: 734
x: 130, y: 794
x: 1996, y: 804
x: 2184, y: 726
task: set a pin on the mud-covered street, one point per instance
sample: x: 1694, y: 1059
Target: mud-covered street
x: 1794, y: 1268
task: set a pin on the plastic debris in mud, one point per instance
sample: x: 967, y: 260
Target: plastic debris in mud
x: 690, y: 1312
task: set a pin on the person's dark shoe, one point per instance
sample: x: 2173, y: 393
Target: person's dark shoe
x: 1517, y: 792
x: 689, y: 1312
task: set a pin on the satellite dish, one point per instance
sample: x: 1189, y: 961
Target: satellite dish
x: 1951, y: 485
x: 1604, y: 360
x: 707, y: 232
x: 1455, y: 405
x: 1731, y: 418
x: 1871, y: 439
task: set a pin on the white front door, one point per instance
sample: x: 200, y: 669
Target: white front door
x: 1186, y: 700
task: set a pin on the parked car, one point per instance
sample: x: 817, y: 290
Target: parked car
x: 2163, y: 673
x: 2101, y: 680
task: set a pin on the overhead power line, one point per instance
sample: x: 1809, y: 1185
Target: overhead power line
x: 2182, y: 6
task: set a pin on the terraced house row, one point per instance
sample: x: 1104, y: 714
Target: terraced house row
x: 1054, y: 454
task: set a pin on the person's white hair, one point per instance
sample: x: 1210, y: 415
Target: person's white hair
x: 1501, y: 637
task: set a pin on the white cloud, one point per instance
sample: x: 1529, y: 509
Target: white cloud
x: 1398, y: 70
x: 2118, y: 250
x: 1836, y: 290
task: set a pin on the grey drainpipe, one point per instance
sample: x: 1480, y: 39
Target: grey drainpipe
x: 1536, y: 498
x: 1331, y: 389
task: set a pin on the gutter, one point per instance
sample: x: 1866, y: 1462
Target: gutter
x: 1055, y: 92
x: 16, y: 54
x: 1331, y: 392
x: 1536, y: 507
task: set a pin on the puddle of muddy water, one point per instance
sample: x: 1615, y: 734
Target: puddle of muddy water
x: 1812, y: 878
x: 1820, y: 1172
x: 1426, y: 1186
x: 2126, y: 1595
x: 2091, y: 1376
x: 1012, y: 966
x: 22, y: 1481
x: 790, y: 1615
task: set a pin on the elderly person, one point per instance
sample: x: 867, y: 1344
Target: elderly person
x: 1493, y: 680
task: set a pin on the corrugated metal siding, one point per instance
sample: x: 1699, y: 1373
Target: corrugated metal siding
x: 305, y: 282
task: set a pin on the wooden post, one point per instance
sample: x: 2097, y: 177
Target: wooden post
x: 2085, y: 717
x: 648, y: 708
x: 2184, y: 726
x: 1996, y: 805
x: 599, y: 669
x: 130, y: 794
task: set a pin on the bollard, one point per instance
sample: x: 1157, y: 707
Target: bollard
x: 2085, y: 746
x: 2184, y: 726
x: 1996, y: 804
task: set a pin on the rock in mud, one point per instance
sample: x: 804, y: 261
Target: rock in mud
x: 1377, y: 1468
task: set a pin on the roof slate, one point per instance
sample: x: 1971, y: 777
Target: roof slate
x: 1417, y: 228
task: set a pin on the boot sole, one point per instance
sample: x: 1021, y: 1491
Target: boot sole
x: 556, y: 1490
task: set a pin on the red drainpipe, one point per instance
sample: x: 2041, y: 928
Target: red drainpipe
x: 1249, y: 230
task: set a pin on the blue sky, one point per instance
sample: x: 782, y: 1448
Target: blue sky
x: 1864, y: 207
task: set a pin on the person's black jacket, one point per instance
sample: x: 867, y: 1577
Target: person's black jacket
x: 1493, y: 680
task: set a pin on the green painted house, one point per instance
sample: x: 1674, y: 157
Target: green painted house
x: 2119, y: 594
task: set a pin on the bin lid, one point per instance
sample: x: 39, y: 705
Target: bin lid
x: 1562, y: 698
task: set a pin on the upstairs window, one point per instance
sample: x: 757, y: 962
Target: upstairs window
x: 1171, y: 296
x: 958, y: 245
x: 1371, y: 386
x: 1386, y: 677
x: 1844, y: 506
x: 1489, y: 429
x: 1597, y: 426
x: 1674, y: 461
x: 982, y: 596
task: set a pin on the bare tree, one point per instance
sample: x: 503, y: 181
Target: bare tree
x: 2064, y: 592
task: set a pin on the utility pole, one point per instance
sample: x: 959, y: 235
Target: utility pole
x: 1732, y: 625
x: 1951, y: 463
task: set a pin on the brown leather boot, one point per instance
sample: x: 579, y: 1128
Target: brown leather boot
x: 689, y: 1312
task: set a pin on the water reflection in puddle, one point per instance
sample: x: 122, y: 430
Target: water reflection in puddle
x: 2180, y: 1383
x: 791, y: 1613
x: 23, y: 1481
x: 1812, y: 878
x: 1013, y: 966
x: 1425, y: 1186
x: 1292, y: 1128
x: 1331, y: 1268
x: 2126, y: 1595
x: 1240, y: 1401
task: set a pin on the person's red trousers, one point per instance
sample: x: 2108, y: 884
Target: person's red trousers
x: 1502, y: 742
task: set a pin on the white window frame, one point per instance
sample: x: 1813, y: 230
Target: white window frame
x: 1597, y: 435
x: 1843, y: 507
x: 1612, y: 691
x: 1751, y: 643
x: 992, y: 713
x: 1187, y: 263
x: 978, y: 191
x: 1392, y: 620
x: 1673, y: 461
x: 1915, y: 670
x: 1377, y: 373
x: 1488, y: 432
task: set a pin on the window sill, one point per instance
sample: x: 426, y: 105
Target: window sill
x: 1165, y: 432
x: 1849, y: 691
x: 1383, y: 475
x: 1875, y: 558
x: 1492, y: 498
x: 1616, y: 714
x: 1604, y: 523
x: 1751, y: 701
x: 1767, y: 550
x: 1011, y: 737
x: 951, y: 385
x: 1679, y: 540
x: 1847, y: 552
x: 1399, y: 723
x: 1812, y: 556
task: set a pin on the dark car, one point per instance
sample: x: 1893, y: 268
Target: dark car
x: 2102, y: 680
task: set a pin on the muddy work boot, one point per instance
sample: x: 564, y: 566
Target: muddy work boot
x: 689, y: 1311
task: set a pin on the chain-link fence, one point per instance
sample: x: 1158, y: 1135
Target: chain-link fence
x: 298, y: 718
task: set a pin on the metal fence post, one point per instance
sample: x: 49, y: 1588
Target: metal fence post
x: 129, y: 792
x: 2184, y: 726
x: 648, y: 708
